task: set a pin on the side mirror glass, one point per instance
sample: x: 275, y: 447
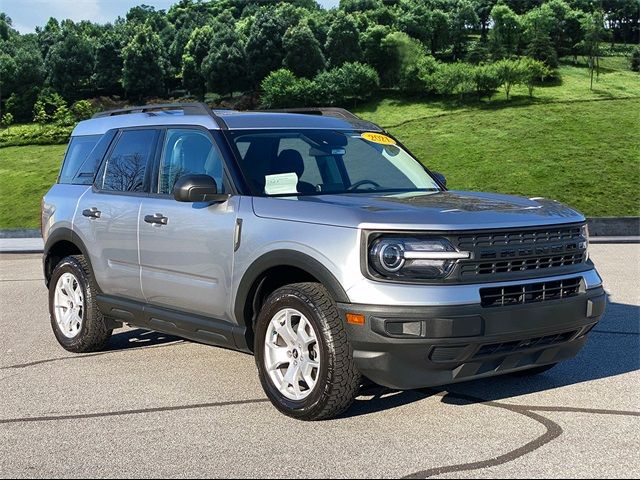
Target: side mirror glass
x: 441, y: 178
x: 197, y: 188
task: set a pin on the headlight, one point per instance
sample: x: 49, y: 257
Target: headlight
x: 417, y: 258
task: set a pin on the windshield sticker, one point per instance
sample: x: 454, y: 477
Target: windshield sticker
x: 378, y: 138
x: 281, y: 183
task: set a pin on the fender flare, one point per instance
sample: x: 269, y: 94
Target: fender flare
x: 63, y: 234
x: 288, y: 258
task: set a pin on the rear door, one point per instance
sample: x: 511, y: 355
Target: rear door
x: 107, y: 214
x: 186, y: 249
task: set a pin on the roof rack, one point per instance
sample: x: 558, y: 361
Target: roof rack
x: 322, y: 111
x: 193, y: 108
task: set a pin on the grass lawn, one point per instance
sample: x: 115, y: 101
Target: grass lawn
x: 579, y: 146
x: 585, y: 154
x: 26, y: 173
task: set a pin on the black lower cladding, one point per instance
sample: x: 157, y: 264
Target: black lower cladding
x: 415, y: 347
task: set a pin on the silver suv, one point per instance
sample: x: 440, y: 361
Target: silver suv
x: 314, y: 240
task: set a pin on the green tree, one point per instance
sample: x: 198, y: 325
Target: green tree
x: 531, y: 72
x: 343, y: 41
x: 463, y: 19
x: 594, y: 33
x: 373, y: 52
x: 438, y: 30
x: 144, y: 65
x: 69, y: 64
x: 401, y: 51
x: 541, y: 48
x: 225, y: 66
x: 506, y: 32
x: 509, y: 73
x: 263, y: 49
x: 196, y: 50
x: 304, y: 54
x: 455, y: 79
x: 108, y: 62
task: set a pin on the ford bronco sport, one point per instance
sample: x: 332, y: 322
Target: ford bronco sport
x: 314, y: 240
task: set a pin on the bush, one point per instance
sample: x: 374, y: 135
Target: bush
x: 31, y: 134
x: 282, y: 89
x: 356, y: 81
x: 509, y: 73
x: 635, y: 60
x: 418, y: 77
x: 454, y: 79
x: 531, y: 72
x: 82, y: 110
x: 7, y: 120
x: 46, y: 106
x: 486, y: 80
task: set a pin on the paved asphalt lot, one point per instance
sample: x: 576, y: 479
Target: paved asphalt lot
x: 156, y: 406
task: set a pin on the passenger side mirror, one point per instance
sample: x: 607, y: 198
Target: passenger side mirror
x: 441, y: 178
x: 197, y: 188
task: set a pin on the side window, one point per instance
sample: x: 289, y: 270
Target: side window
x: 310, y: 171
x: 188, y: 152
x: 127, y: 163
x: 77, y: 152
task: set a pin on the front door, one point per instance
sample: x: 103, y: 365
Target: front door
x: 186, y: 249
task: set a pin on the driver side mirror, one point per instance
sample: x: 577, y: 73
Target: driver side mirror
x: 197, y: 188
x: 441, y: 178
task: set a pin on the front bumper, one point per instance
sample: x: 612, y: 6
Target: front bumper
x: 461, y: 342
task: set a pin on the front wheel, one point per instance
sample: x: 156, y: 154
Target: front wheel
x: 303, y: 356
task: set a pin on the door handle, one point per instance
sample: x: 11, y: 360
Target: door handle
x: 157, y: 219
x: 92, y: 212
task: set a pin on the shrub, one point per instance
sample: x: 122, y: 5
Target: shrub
x: 454, y: 79
x: 635, y: 60
x: 356, y: 81
x: 82, y: 110
x: 7, y: 120
x: 47, y: 105
x: 531, y: 72
x: 63, y: 116
x: 509, y: 73
x: 486, y: 80
x: 418, y: 77
x: 283, y: 89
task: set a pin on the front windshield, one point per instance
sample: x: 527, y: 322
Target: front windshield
x: 314, y: 162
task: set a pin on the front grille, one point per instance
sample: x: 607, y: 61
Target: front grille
x: 529, y: 293
x: 521, y: 252
x: 521, y: 237
x: 505, y: 348
x: 521, y: 265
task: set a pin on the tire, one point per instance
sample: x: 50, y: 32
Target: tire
x: 88, y: 331
x: 337, y: 379
x: 529, y: 372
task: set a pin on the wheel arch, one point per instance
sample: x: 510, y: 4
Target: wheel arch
x: 61, y: 243
x: 272, y: 271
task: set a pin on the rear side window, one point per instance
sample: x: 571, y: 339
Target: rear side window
x: 77, y: 152
x: 126, y: 165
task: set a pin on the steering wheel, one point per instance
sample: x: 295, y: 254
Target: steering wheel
x: 362, y: 182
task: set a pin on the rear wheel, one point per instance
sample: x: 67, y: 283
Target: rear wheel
x: 303, y: 356
x: 76, y: 321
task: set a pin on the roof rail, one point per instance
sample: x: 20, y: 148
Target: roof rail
x: 322, y: 111
x: 193, y: 108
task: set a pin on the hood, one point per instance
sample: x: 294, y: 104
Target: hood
x: 448, y: 210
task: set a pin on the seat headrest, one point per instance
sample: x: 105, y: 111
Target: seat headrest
x: 289, y: 161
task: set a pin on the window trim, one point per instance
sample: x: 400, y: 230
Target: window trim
x: 226, y: 176
x: 101, y: 172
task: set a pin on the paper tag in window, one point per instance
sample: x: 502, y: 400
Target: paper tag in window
x: 378, y: 138
x: 281, y: 183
